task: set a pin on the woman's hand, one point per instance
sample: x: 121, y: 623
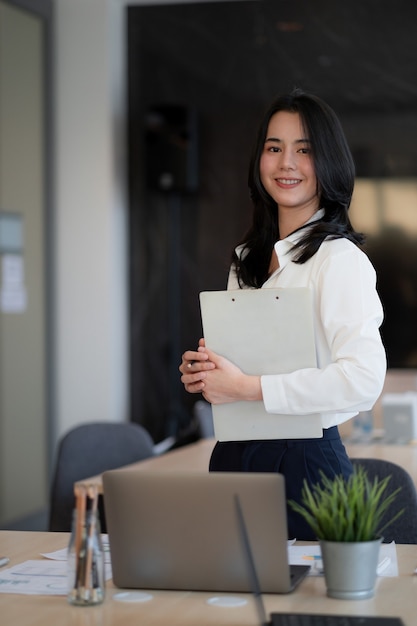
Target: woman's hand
x: 218, y: 379
x: 227, y: 383
x: 194, y: 365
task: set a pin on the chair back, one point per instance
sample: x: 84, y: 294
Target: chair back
x: 404, y: 529
x: 88, y: 450
x: 204, y: 418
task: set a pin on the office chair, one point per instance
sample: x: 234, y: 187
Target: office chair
x: 404, y: 529
x: 88, y: 450
x: 203, y: 416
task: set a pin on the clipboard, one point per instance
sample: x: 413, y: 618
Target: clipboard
x: 263, y: 331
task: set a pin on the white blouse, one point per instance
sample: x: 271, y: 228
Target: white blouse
x: 351, y: 361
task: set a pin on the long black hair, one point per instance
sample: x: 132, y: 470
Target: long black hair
x: 335, y: 173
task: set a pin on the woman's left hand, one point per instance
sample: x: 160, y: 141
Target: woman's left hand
x: 227, y: 383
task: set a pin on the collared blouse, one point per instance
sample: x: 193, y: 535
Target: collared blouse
x: 347, y: 313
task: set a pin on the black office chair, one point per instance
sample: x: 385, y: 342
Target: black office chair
x: 404, y: 529
x: 203, y: 416
x: 88, y: 450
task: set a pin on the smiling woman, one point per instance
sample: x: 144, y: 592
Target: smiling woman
x: 194, y: 55
x: 301, y: 179
x: 287, y: 171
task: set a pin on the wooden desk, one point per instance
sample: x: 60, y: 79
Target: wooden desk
x: 393, y: 596
x: 196, y: 457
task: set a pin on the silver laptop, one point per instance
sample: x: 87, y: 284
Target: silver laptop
x: 178, y: 530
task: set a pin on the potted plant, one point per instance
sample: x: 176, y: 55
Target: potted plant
x: 347, y: 517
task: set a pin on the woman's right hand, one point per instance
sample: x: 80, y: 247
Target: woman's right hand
x: 193, y: 366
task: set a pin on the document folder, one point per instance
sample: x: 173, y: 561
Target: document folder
x: 263, y: 331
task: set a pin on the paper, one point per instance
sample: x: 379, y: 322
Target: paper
x: 263, y: 331
x: 311, y: 555
x: 47, y: 576
x: 13, y: 294
x: 35, y: 577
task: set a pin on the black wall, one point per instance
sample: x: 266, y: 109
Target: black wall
x: 209, y: 70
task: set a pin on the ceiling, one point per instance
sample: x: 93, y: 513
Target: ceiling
x: 360, y: 55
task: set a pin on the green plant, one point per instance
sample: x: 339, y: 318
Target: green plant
x: 347, y: 510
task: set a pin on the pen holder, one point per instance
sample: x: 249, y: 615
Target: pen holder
x: 85, y: 573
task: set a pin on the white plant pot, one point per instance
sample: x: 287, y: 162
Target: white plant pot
x: 350, y: 568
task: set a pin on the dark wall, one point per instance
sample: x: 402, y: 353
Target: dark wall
x: 223, y: 63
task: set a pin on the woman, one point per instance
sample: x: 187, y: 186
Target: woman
x: 301, y: 180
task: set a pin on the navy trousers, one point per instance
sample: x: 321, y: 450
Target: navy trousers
x: 296, y: 459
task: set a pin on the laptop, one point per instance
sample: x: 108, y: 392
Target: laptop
x: 296, y: 619
x: 178, y: 530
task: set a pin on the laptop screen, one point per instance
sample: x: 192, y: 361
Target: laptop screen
x: 178, y: 530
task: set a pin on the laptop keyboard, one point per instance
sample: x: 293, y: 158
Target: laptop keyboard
x: 300, y: 619
x: 312, y: 620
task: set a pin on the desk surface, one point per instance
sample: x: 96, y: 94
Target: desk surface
x: 196, y: 457
x: 393, y: 596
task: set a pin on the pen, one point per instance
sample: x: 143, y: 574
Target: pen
x: 4, y: 560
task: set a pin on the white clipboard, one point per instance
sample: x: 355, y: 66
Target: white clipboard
x: 263, y: 331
